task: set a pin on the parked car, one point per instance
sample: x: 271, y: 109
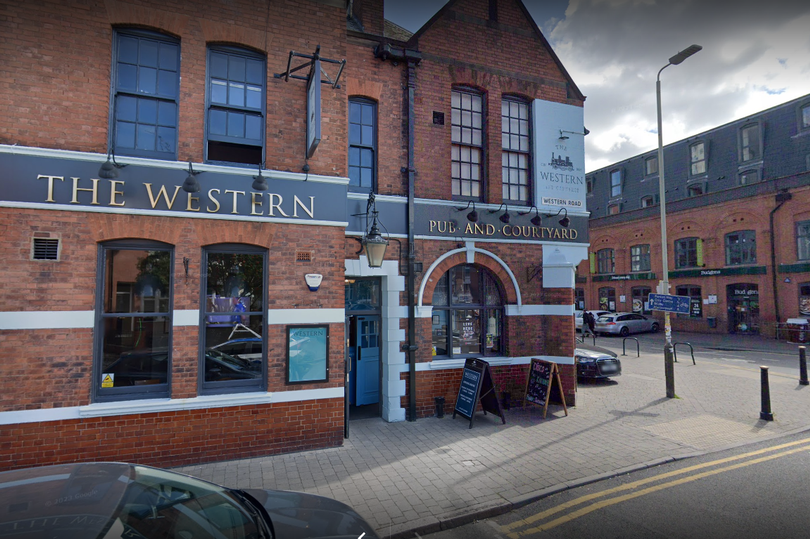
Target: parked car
x: 596, y: 362
x: 578, y: 317
x: 113, y: 499
x: 625, y: 323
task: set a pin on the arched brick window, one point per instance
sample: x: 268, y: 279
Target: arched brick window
x: 467, y: 313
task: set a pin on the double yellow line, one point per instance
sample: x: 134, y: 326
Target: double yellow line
x: 512, y: 530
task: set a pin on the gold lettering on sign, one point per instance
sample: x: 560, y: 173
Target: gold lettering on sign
x: 297, y: 202
x: 114, y: 192
x: 212, y: 199
x: 490, y: 230
x: 191, y: 200
x: 76, y: 189
x: 234, y: 193
x: 276, y: 206
x: 50, y: 184
x: 161, y: 193
x: 254, y: 203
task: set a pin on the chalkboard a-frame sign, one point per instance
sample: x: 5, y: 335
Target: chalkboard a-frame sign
x: 476, y: 386
x: 542, y: 376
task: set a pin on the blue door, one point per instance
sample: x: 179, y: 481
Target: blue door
x: 366, y: 361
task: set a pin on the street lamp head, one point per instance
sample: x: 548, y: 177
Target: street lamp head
x: 684, y: 54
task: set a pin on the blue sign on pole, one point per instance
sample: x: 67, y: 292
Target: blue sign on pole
x: 673, y: 304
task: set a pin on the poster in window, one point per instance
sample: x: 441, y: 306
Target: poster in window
x: 307, y: 353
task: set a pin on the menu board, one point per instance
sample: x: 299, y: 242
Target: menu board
x: 542, y: 377
x: 476, y: 386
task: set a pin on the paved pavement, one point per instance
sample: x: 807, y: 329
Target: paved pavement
x: 418, y: 477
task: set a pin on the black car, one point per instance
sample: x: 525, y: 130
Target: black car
x: 596, y: 362
x: 117, y: 500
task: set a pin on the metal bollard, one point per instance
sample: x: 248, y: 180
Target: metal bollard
x: 766, y: 395
x: 439, y: 406
x: 803, y: 367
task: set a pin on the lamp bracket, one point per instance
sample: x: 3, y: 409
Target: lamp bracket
x: 288, y: 74
x: 533, y: 271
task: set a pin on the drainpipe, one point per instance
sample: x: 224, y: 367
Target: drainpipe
x: 385, y: 51
x: 781, y: 198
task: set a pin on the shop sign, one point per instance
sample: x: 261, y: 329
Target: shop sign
x: 625, y: 277
x: 35, y: 181
x: 718, y: 272
x: 444, y: 221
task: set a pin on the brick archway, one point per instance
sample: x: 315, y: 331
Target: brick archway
x: 470, y: 255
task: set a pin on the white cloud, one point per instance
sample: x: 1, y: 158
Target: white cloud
x: 755, y: 55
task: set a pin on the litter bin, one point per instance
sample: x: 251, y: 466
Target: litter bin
x: 798, y: 330
x: 712, y: 321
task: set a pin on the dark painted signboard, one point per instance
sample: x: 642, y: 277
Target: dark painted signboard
x: 476, y: 386
x: 451, y: 221
x: 669, y: 303
x: 542, y: 377
x: 67, y: 183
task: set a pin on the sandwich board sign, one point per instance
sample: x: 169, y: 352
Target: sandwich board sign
x: 476, y: 386
x: 542, y: 376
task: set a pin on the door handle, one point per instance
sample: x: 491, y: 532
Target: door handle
x: 359, y: 353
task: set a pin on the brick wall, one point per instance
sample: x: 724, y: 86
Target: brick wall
x: 176, y: 438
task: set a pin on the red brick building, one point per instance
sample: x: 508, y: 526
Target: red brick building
x: 185, y: 190
x: 738, y: 227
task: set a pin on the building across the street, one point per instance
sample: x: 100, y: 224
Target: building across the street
x: 193, y: 195
x: 737, y: 207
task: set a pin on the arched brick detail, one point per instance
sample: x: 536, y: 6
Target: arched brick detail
x: 458, y: 259
x: 216, y: 32
x: 364, y: 88
x: 122, y: 13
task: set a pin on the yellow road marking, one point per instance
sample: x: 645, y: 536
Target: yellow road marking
x: 629, y: 486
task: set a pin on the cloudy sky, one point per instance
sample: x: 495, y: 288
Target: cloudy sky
x: 756, y: 54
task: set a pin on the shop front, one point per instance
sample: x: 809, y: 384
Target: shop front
x: 742, y: 301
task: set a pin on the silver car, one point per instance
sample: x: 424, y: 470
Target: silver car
x: 625, y: 323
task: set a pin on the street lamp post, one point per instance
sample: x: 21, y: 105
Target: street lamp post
x: 669, y: 365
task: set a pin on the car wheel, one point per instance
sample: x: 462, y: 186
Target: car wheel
x: 624, y: 332
x: 654, y: 327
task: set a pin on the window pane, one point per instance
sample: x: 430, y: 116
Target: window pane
x: 492, y: 336
x: 135, y: 350
x: 367, y: 158
x: 236, y: 124
x: 439, y: 333
x: 127, y: 77
x: 147, y: 111
x: 216, y: 122
x: 355, y: 113
x: 355, y: 133
x: 253, y: 127
x: 145, y: 137
x: 228, y: 358
x: 168, y: 56
x: 148, y: 53
x: 128, y: 50
x: 167, y: 83
x: 124, y: 135
x: 238, y: 277
x: 254, y: 97
x: 219, y: 91
x: 236, y: 68
x: 219, y: 66
x: 167, y: 113
x: 236, y: 94
x: 467, y: 331
x: 126, y: 108
x: 440, y: 292
x: 167, y: 139
x: 147, y: 80
x: 255, y: 72
x: 368, y: 135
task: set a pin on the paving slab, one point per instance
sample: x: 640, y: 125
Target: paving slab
x: 419, y: 477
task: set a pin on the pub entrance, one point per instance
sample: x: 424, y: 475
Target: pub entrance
x: 743, y: 308
x: 363, y: 348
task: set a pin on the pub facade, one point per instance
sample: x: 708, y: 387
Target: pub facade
x: 192, y: 194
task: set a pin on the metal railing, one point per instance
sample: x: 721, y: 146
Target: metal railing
x: 675, y: 351
x: 638, y: 350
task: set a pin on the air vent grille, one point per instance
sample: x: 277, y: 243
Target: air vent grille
x: 46, y: 249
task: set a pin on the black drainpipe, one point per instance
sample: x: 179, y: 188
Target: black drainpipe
x: 781, y: 198
x: 386, y: 52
